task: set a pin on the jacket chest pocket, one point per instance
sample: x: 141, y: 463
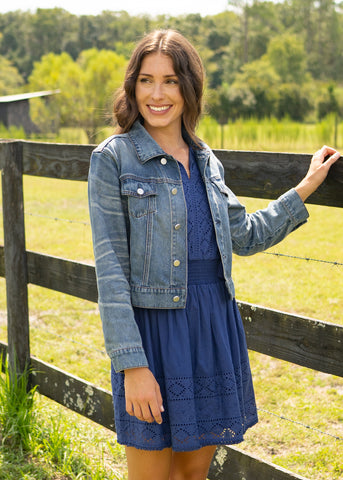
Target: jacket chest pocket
x: 141, y: 197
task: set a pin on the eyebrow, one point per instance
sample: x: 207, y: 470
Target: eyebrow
x: 149, y: 75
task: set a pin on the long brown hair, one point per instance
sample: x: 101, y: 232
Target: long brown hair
x: 187, y: 66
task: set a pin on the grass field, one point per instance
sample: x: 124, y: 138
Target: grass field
x: 67, y: 332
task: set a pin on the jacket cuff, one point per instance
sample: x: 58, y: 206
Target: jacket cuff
x: 295, y: 207
x: 128, y: 358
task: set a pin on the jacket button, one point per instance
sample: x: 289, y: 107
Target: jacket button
x: 176, y: 299
x: 140, y: 191
x: 174, y: 191
x: 177, y: 226
x: 164, y: 161
x: 177, y: 263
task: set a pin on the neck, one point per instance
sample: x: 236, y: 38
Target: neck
x: 169, y: 140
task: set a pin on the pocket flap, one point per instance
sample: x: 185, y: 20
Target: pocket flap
x: 139, y: 188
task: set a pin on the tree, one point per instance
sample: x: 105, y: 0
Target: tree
x: 243, y: 8
x: 230, y: 103
x: 86, y: 87
x: 293, y: 101
x: 10, y: 79
x: 52, y: 30
x: 219, y: 108
x: 319, y: 23
x: 52, y: 73
x: 288, y: 57
x: 103, y: 72
x: 260, y: 78
x: 15, y: 34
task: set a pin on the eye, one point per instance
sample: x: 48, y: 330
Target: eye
x: 144, y: 79
x: 172, y: 81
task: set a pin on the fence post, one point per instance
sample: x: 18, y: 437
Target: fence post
x: 15, y: 257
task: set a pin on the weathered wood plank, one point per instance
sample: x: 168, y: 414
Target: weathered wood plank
x: 62, y: 275
x: 3, y: 148
x: 15, y: 257
x: 95, y: 403
x: 304, y: 341
x: 2, y: 261
x: 72, y: 392
x: 300, y: 340
x: 231, y: 463
x: 268, y: 175
x: 252, y: 174
x: 63, y: 161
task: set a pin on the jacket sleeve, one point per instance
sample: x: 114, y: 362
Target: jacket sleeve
x: 255, y: 232
x: 111, y: 251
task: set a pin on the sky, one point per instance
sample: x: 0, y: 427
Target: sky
x: 133, y: 7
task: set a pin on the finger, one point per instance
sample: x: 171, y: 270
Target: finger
x: 129, y: 408
x: 156, y: 406
x: 332, y: 159
x: 138, y: 412
x: 146, y: 413
x: 159, y: 398
x: 326, y: 151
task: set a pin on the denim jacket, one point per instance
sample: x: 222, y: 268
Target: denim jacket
x: 139, y: 217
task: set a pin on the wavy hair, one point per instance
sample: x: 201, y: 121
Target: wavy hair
x: 187, y: 66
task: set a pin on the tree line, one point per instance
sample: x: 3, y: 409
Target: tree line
x: 262, y: 59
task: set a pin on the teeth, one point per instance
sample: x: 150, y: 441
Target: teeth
x: 158, y: 109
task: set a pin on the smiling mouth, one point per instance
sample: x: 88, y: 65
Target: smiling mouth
x: 159, y: 109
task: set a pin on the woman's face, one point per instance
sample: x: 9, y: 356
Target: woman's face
x: 158, y: 95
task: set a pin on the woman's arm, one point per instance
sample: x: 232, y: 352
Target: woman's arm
x: 255, y: 232
x: 110, y: 243
x: 122, y: 338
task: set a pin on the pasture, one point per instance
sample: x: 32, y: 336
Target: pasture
x: 301, y: 411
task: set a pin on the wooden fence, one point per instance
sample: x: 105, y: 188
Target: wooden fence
x: 311, y: 343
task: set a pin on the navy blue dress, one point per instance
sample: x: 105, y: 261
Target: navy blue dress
x: 198, y: 354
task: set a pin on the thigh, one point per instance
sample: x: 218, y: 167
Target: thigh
x: 192, y: 465
x: 148, y: 465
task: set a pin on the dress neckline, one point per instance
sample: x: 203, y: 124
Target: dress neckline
x: 191, y: 163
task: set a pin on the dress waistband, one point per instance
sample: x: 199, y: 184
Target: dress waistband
x: 204, y: 271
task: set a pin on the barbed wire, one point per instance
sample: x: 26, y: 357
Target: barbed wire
x: 307, y: 259
x: 282, y: 417
x: 70, y: 340
x: 102, y: 352
x: 57, y: 218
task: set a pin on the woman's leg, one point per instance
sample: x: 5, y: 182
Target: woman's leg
x: 148, y: 465
x: 192, y: 465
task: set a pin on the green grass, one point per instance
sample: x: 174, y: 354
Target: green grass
x: 41, y: 441
x: 271, y: 135
x: 67, y: 332
x: 253, y: 134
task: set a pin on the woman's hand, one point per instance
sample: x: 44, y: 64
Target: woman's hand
x: 317, y: 172
x: 142, y: 394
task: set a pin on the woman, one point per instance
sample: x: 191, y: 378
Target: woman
x: 164, y: 228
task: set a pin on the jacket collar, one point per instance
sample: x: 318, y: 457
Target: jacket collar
x: 144, y: 144
x: 147, y: 148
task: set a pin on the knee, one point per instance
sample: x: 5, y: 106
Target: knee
x: 195, y: 473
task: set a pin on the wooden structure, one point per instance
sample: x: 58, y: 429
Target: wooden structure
x: 15, y: 110
x: 303, y: 341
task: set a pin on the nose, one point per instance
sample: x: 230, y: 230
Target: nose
x: 157, y: 91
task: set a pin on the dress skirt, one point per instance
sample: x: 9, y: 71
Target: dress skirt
x: 199, y: 358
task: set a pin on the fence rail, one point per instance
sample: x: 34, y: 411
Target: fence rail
x: 308, y: 342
